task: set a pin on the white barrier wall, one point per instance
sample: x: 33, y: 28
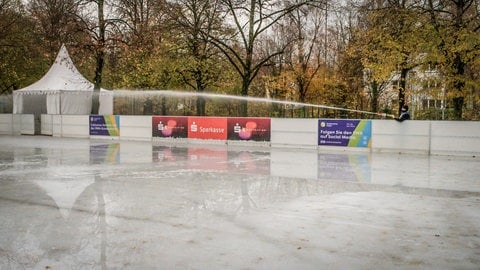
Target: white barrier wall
x: 46, y: 124
x: 299, y: 133
x: 455, y: 138
x: 57, y: 125
x: 423, y: 137
x: 427, y: 137
x: 27, y: 124
x: 6, y: 124
x: 17, y: 124
x: 135, y: 127
x: 406, y: 136
x: 74, y: 126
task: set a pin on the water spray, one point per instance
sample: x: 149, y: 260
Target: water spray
x: 172, y: 93
x: 385, y: 115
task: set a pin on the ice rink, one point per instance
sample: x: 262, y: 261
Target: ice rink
x: 105, y: 204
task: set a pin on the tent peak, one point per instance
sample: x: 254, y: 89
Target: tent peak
x: 63, y: 59
x: 62, y: 75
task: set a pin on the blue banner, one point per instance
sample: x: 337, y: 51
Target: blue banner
x: 351, y: 133
x: 105, y: 125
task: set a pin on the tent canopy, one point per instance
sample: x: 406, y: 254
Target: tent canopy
x: 62, y: 90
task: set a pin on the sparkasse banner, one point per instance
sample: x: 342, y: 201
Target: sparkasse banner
x: 340, y: 132
x: 170, y: 126
x: 207, y: 128
x: 249, y: 129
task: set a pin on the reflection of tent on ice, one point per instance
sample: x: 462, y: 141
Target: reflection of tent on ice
x: 64, y: 193
x: 63, y: 90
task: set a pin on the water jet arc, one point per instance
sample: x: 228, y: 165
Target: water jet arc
x: 172, y: 93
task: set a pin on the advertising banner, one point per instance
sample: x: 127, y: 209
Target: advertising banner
x: 105, y: 125
x: 170, y: 126
x: 253, y: 129
x: 351, y: 133
x: 208, y: 128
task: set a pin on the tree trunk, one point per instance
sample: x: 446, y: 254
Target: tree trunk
x: 401, y: 89
x: 200, y: 88
x: 243, y: 107
x: 201, y: 106
x: 374, y: 96
x: 247, y: 74
x: 164, y: 105
x: 97, y: 82
x: 458, y: 107
x: 100, y: 56
x: 458, y: 85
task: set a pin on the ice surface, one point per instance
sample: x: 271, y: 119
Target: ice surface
x: 102, y: 204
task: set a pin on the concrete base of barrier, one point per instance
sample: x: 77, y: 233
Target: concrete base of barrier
x: 248, y: 143
x: 172, y: 141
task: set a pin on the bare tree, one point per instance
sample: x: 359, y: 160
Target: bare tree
x: 251, y: 19
x: 100, y: 29
x: 57, y: 22
x: 197, y: 21
x: 305, y: 51
x: 141, y: 21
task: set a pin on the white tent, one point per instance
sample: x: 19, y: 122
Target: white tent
x: 62, y: 90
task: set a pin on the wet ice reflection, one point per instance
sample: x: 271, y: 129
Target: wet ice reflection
x: 69, y: 203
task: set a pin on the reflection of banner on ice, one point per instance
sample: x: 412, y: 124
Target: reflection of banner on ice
x: 207, y: 159
x: 344, y: 167
x: 352, y: 133
x: 224, y: 160
x: 214, y: 159
x: 105, y: 153
x: 105, y: 125
x: 249, y: 162
x: 254, y: 129
x: 169, y: 126
x: 362, y: 167
x: 162, y: 153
